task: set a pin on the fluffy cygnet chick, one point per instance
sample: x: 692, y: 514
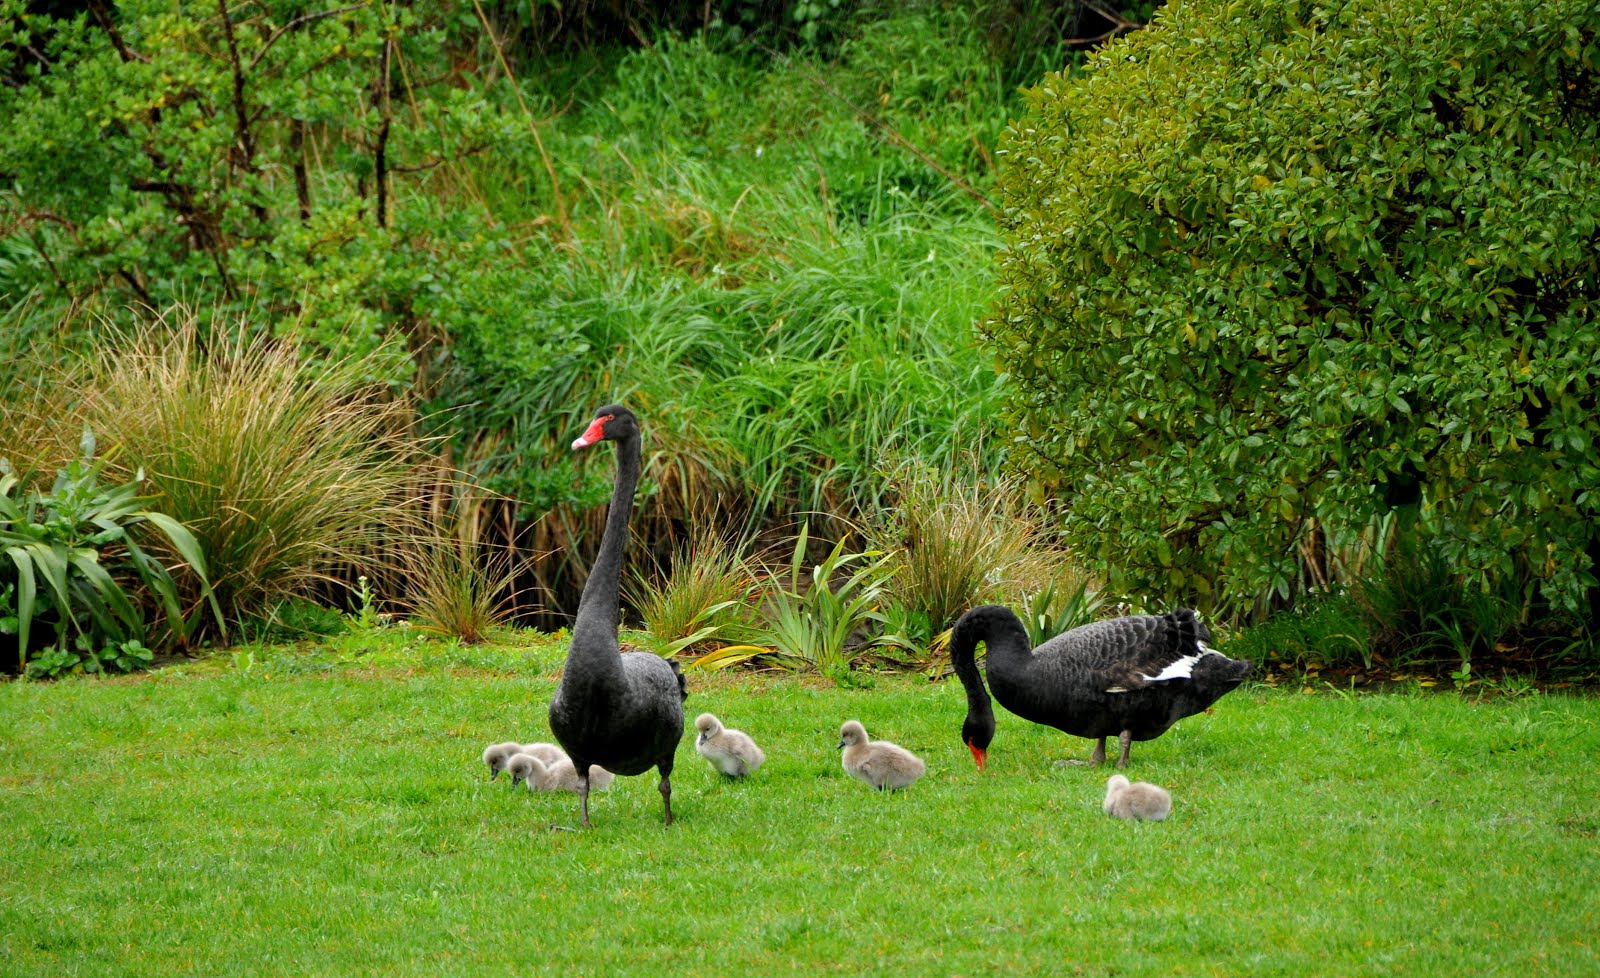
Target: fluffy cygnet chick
x: 1138, y: 800
x: 730, y: 751
x: 877, y: 762
x: 548, y: 753
x: 496, y: 756
x: 559, y: 776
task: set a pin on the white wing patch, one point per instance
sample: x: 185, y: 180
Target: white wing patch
x: 1184, y: 667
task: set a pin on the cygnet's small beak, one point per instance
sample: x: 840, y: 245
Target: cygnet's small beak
x: 494, y: 774
x: 841, y: 746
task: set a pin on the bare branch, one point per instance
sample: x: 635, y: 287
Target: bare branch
x: 300, y: 21
x: 1119, y: 24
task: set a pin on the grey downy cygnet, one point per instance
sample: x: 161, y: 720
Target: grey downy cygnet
x: 548, y: 753
x: 496, y: 756
x: 877, y: 762
x: 1137, y: 800
x: 559, y: 776
x: 730, y: 751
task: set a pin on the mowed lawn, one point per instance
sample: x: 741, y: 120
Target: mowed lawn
x: 311, y: 812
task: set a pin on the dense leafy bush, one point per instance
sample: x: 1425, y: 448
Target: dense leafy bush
x: 1274, y: 268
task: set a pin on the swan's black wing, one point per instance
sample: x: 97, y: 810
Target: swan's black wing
x: 1128, y: 653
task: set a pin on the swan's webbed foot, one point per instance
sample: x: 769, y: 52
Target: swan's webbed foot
x: 1126, y: 738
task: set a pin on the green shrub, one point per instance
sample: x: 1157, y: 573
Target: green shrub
x: 73, y: 560
x: 458, y: 589
x: 1273, y: 268
x: 815, y: 620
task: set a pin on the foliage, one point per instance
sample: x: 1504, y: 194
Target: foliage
x: 949, y: 540
x: 701, y: 598
x: 284, y: 466
x: 1414, y: 606
x: 815, y: 620
x: 1272, y: 269
x: 72, y: 555
x: 1053, y: 609
x: 457, y: 588
x: 727, y: 240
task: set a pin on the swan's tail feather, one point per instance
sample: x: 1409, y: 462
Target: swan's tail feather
x: 683, y: 683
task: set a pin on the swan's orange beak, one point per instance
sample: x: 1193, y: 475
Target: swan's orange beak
x: 978, y: 754
x: 592, y: 434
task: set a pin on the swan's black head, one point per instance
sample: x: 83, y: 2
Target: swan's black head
x: 613, y: 422
x: 977, y: 735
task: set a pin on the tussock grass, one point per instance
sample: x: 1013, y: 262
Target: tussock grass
x: 457, y: 588
x: 283, y: 465
x: 701, y: 596
x: 957, y: 539
x: 324, y: 812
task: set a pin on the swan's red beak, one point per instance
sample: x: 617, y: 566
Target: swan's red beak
x: 978, y: 754
x: 595, y: 432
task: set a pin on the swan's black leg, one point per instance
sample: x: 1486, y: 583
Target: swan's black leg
x: 583, y: 794
x: 1099, y: 756
x: 1127, y: 741
x: 665, y: 767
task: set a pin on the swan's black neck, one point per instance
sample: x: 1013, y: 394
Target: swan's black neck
x: 594, y: 631
x: 1000, y: 630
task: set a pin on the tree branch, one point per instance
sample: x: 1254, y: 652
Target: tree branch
x: 102, y: 16
x: 300, y: 21
x: 243, y: 152
x: 1118, y: 23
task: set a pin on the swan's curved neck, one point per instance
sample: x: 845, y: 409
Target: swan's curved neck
x: 594, y: 631
x: 1008, y: 655
x: 980, y: 714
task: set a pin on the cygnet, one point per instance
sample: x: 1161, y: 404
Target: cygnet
x: 877, y: 762
x: 1137, y: 800
x: 730, y: 751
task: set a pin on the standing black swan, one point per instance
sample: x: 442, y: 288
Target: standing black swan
x: 1130, y: 677
x: 622, y: 711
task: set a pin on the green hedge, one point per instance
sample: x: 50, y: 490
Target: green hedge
x: 1273, y: 268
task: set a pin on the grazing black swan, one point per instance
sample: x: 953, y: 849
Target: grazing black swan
x: 623, y: 711
x: 1130, y: 677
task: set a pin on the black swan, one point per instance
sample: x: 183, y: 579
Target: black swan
x: 623, y: 711
x: 1131, y: 677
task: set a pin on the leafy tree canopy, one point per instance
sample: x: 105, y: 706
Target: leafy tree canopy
x: 1274, y: 268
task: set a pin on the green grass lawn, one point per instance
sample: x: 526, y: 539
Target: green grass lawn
x: 325, y: 813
